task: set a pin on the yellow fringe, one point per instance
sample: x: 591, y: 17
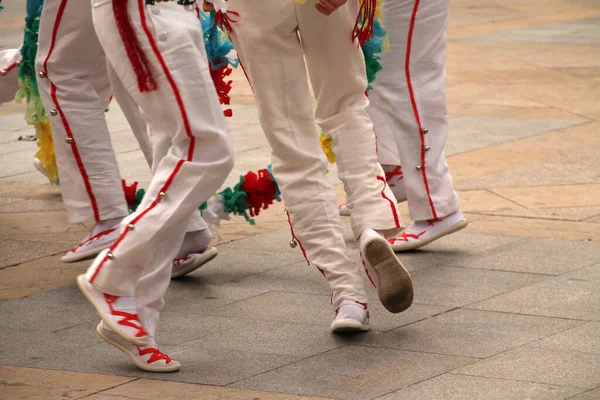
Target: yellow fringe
x: 326, y: 145
x: 46, y: 151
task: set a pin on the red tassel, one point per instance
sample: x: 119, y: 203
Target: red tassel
x: 260, y: 190
x: 222, y: 86
x: 223, y: 20
x: 139, y: 62
x: 130, y: 191
x: 365, y: 22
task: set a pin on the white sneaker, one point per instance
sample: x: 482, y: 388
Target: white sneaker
x: 147, y: 358
x: 118, y: 313
x: 388, y: 275
x: 91, y: 246
x: 185, y: 265
x: 351, y: 317
x: 420, y: 233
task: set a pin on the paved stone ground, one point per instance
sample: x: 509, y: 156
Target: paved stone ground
x: 508, y: 309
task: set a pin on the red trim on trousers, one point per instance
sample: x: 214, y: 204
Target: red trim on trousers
x: 296, y: 239
x: 11, y: 67
x: 139, y: 217
x: 163, y: 64
x: 141, y: 7
x: 68, y: 132
x: 392, y: 205
x: 414, y: 105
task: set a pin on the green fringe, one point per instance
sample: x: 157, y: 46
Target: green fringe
x: 139, y: 195
x: 235, y: 201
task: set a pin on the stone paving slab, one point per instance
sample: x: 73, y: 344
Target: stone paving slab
x: 581, y: 32
x: 469, y: 333
x: 456, y: 287
x: 354, y: 373
x: 584, y: 338
x: 516, y: 292
x: 561, y: 297
x: 539, y: 256
x: 461, y: 387
x: 540, y: 365
x: 36, y: 384
x: 139, y: 389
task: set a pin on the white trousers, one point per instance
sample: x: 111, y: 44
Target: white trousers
x: 9, y: 71
x: 408, y: 104
x: 185, y: 113
x: 75, y: 92
x: 266, y: 37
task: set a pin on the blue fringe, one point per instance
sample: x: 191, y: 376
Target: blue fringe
x: 216, y: 43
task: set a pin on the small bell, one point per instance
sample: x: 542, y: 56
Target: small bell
x: 130, y: 227
x: 42, y: 74
x: 69, y: 139
x: 3, y: 72
x: 110, y: 255
x: 53, y: 112
x: 293, y: 243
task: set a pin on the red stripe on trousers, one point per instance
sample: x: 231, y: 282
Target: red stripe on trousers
x: 414, y: 105
x: 69, y: 133
x: 10, y: 67
x: 392, y: 205
x: 163, y: 64
x: 140, y: 216
x: 295, y: 238
x: 141, y: 7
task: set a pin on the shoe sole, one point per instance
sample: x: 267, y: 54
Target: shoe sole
x: 143, y: 367
x: 82, y: 283
x: 349, y: 214
x: 85, y: 255
x: 417, y: 244
x: 208, y: 255
x: 349, y: 326
x: 395, y: 288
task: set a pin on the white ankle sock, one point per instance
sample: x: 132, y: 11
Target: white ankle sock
x: 195, y: 242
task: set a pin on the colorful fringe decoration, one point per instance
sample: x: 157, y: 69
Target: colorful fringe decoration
x: 254, y: 192
x: 45, y: 152
x: 28, y: 91
x: 224, y: 21
x: 364, y: 25
x: 260, y: 191
x: 137, y: 58
x: 326, y: 145
x: 371, y: 50
x: 130, y: 194
x: 218, y: 47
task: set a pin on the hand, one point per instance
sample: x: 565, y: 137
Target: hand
x: 207, y: 7
x: 328, y: 6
